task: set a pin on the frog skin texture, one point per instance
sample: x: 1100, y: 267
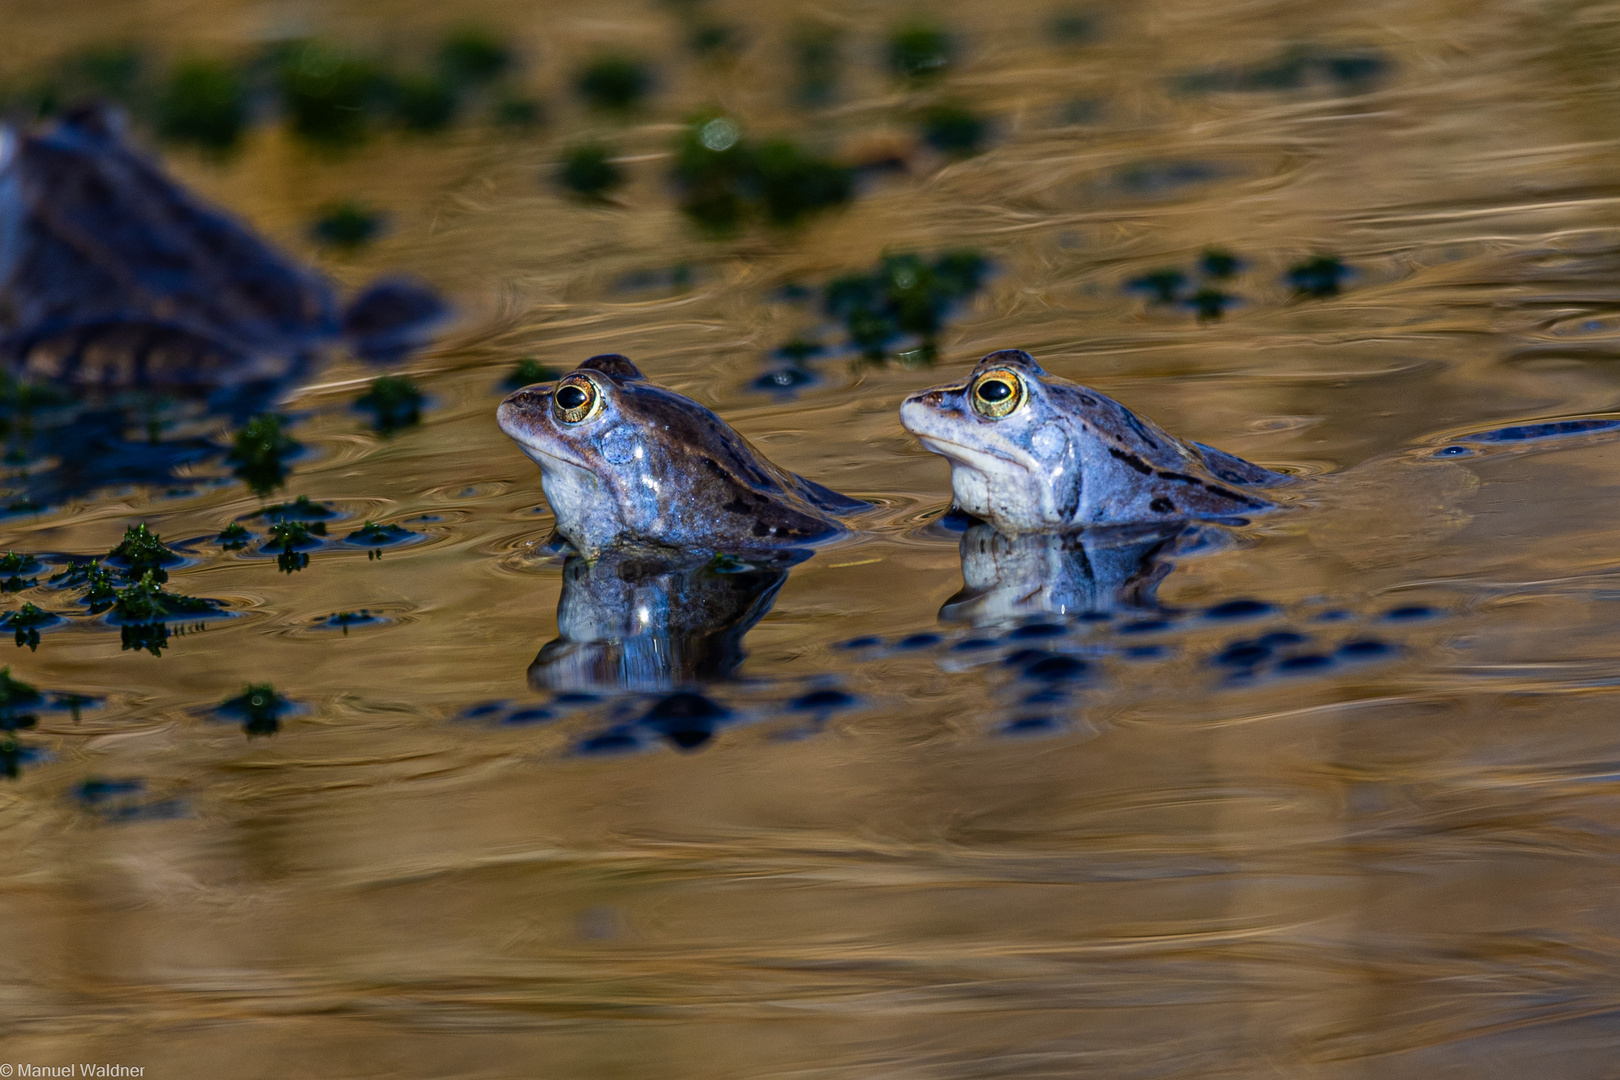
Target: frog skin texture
x: 1034, y: 453
x: 628, y: 464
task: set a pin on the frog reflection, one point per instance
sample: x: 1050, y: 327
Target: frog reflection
x: 627, y: 622
x: 1097, y: 571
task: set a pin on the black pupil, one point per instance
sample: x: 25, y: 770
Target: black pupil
x: 994, y: 390
x: 572, y: 397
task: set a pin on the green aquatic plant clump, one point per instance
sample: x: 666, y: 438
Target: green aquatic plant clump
x: 474, y: 55
x: 204, y: 103
x: 953, y: 129
x: 347, y: 225
x: 260, y: 708
x: 259, y: 453
x: 527, y: 372
x: 1318, y: 277
x: 17, y: 702
x: 234, y: 537
x: 327, y: 93
x: 588, y: 170
x: 146, y: 602
x: 374, y: 535
x: 423, y: 103
x: 142, y: 552
x: 394, y: 402
x: 723, y: 177
x: 24, y: 623
x: 905, y: 295
x: 290, y: 540
x: 615, y: 82
x: 919, y: 51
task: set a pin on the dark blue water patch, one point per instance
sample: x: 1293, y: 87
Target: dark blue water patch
x: 954, y: 520
x: 918, y: 641
x: 1056, y: 667
x: 484, y: 710
x: 1232, y: 610
x: 1304, y: 663
x: 1047, y: 695
x: 1093, y: 616
x: 1364, y: 649
x: 1410, y: 613
x: 575, y: 698
x: 973, y: 644
x: 1032, y: 725
x: 1037, y: 630
x: 822, y: 701
x: 686, y: 719
x: 1332, y: 615
x: 300, y: 509
x: 865, y: 642
x: 522, y: 717
x: 97, y: 790
x: 1145, y: 652
x: 1453, y: 451
x: 344, y: 620
x: 618, y: 739
x: 1278, y: 638
x: 1152, y: 179
x: 1243, y: 654
x: 1143, y: 626
x: 1550, y: 430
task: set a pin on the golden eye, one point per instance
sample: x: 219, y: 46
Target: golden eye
x: 998, y: 393
x: 576, y: 399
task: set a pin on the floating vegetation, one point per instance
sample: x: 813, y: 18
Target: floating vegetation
x: 204, y: 103
x: 234, y: 537
x: 616, y: 83
x: 528, y: 371
x: 723, y: 177
x: 1318, y: 277
x: 373, y: 535
x: 513, y: 110
x: 259, y: 707
x: 919, y: 51
x: 327, y: 93
x: 905, y: 295
x: 25, y: 623
x: 953, y: 129
x: 300, y: 509
x: 345, y: 619
x: 14, y: 566
x: 1219, y: 264
x: 141, y: 553
x: 1302, y: 66
x: 1209, y: 303
x: 588, y: 171
x: 348, y: 225
x: 422, y: 103
x: 290, y: 540
x: 394, y: 402
x: 146, y: 602
x: 1160, y: 286
x: 473, y: 56
x: 816, y: 61
x: 259, y: 453
x: 18, y: 701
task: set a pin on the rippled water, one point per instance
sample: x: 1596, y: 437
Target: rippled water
x: 1383, y: 847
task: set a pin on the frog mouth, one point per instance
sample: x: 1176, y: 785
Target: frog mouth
x: 975, y: 457
x: 537, y: 453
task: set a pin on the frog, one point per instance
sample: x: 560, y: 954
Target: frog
x: 628, y: 464
x: 113, y: 276
x: 1032, y: 452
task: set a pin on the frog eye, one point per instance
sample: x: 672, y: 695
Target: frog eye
x: 998, y: 393
x: 576, y: 399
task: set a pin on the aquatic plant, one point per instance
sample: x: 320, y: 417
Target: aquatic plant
x: 346, y: 619
x: 1219, y: 264
x: 205, y: 103
x: 514, y: 110
x: 327, y: 93
x: 919, y: 51
x: 953, y: 129
x: 527, y: 372
x: 99, y: 583
x: 234, y: 537
x: 1318, y: 277
x: 17, y: 702
x: 374, y: 535
x: 394, y: 403
x: 816, y: 61
x: 259, y: 452
x: 146, y: 602
x: 1209, y: 303
x: 422, y: 103
x: 614, y: 82
x: 259, y: 707
x: 722, y: 176
x: 905, y: 295
x: 142, y: 552
x: 588, y: 170
x: 25, y: 623
x: 347, y: 224
x: 289, y: 539
x: 14, y: 566
x: 300, y: 509
x: 1161, y: 286
x: 473, y: 55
